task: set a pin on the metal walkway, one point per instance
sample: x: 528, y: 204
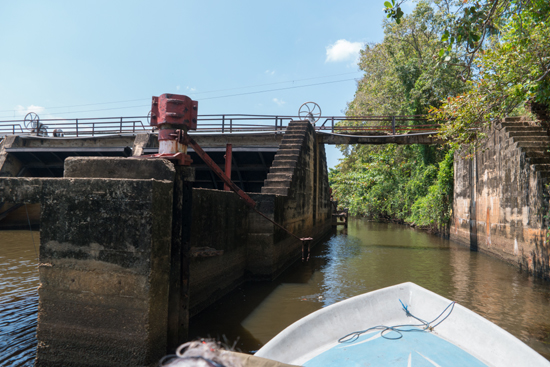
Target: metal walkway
x: 334, y: 129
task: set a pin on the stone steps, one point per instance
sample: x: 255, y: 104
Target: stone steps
x: 288, y: 170
x: 535, y: 151
x: 282, y: 169
x: 522, y: 132
x: 287, y: 146
x: 277, y: 176
x: 284, y: 163
x: 295, y: 128
x: 288, y: 150
x: 275, y: 190
x: 533, y: 138
x: 292, y: 140
x: 278, y: 183
x: 534, y: 141
x: 542, y: 145
x: 539, y: 160
x: 287, y: 157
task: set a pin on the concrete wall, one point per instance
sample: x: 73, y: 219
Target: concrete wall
x: 500, y: 198
x: 104, y: 268
x: 219, y: 240
x: 244, y: 245
x: 9, y: 165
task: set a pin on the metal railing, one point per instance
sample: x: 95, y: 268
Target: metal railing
x: 223, y: 124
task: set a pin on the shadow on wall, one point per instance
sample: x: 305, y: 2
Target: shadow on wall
x: 19, y: 216
x: 538, y: 259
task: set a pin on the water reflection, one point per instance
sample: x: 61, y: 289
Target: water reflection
x: 18, y: 297
x: 372, y: 256
x: 368, y: 257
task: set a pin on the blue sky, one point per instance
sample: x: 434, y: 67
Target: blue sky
x: 85, y: 58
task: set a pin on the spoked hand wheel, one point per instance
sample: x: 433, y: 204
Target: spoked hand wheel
x: 32, y: 121
x: 310, y: 111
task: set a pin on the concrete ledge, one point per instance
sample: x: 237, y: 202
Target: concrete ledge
x: 130, y: 168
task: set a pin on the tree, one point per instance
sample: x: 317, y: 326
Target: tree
x: 401, y: 77
x: 502, y: 50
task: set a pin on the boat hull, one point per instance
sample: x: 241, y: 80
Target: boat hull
x: 306, y: 340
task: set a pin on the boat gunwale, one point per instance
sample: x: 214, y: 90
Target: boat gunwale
x: 479, y: 337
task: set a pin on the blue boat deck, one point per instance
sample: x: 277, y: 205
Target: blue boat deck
x: 414, y: 349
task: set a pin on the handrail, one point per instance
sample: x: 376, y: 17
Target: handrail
x: 226, y: 123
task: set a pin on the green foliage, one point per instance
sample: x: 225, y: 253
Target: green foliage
x: 393, y: 11
x: 512, y: 68
x: 393, y: 182
x: 500, y: 50
x: 434, y: 209
x: 401, y: 77
x: 402, y: 74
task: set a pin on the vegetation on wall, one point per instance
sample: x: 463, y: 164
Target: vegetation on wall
x: 465, y: 63
x: 502, y: 50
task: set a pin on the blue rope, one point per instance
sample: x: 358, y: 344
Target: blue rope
x: 424, y: 325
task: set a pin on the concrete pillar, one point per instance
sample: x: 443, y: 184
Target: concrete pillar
x: 104, y: 272
x: 178, y: 305
x: 107, y: 233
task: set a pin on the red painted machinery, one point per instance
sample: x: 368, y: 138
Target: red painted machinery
x: 175, y: 115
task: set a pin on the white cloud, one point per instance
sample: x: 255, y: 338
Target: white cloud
x: 177, y: 87
x: 270, y: 72
x: 190, y: 89
x: 32, y: 108
x: 343, y: 50
x: 280, y: 102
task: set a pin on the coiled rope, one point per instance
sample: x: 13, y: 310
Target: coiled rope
x: 405, y: 328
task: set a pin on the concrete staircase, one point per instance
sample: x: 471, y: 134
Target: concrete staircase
x: 282, y: 170
x: 533, y: 139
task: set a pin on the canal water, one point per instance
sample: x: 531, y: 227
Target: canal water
x: 365, y: 257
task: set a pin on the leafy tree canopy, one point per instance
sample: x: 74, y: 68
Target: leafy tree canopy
x: 502, y: 50
x: 402, y: 76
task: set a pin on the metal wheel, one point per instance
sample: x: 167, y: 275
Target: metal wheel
x: 32, y: 121
x: 310, y: 111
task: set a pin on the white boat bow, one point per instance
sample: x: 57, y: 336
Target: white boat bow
x: 463, y: 339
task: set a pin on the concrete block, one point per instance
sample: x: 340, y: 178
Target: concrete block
x: 130, y: 168
x: 104, y: 272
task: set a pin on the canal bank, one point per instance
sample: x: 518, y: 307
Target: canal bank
x: 369, y: 256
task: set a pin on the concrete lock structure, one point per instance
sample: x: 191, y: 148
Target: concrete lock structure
x: 129, y: 249
x: 501, y: 196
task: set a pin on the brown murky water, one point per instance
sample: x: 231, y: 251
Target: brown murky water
x: 369, y: 256
x: 18, y: 297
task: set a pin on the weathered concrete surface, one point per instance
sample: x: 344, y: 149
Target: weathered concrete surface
x: 179, y: 287
x: 220, y: 222
x: 180, y: 228
x: 143, y: 141
x: 104, y: 269
x: 9, y: 165
x: 299, y: 173
x: 115, y: 167
x: 246, y: 246
x: 500, y: 196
